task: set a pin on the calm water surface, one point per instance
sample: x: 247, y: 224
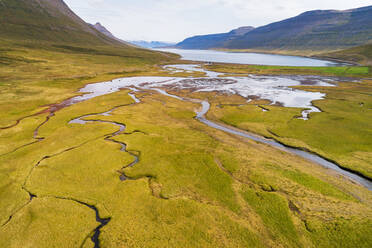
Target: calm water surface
x: 248, y: 58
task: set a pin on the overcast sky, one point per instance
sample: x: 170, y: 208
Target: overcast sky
x: 174, y: 20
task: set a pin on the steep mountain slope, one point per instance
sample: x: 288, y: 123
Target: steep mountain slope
x: 213, y: 40
x: 46, y: 20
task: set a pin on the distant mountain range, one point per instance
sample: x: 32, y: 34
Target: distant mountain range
x: 213, y: 40
x: 151, y: 44
x: 317, y: 30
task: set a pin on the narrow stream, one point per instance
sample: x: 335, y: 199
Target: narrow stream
x: 121, y: 128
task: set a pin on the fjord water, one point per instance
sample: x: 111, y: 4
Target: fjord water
x: 248, y: 58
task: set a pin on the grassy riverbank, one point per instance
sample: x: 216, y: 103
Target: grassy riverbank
x: 35, y: 74
x: 342, y: 132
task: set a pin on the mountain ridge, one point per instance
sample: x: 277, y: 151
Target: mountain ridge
x: 316, y: 30
x: 99, y: 27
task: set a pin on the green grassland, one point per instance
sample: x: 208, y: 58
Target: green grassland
x: 344, y: 71
x: 193, y: 186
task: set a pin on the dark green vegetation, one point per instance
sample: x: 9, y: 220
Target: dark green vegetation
x: 319, y: 30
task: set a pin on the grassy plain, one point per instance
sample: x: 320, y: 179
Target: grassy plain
x: 193, y: 186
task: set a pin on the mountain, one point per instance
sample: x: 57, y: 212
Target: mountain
x: 213, y: 40
x: 314, y: 30
x: 151, y: 44
x: 99, y: 27
x: 46, y: 20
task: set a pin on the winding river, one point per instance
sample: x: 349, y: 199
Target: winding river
x: 276, y: 89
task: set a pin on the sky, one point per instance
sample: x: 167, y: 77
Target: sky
x: 175, y: 20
